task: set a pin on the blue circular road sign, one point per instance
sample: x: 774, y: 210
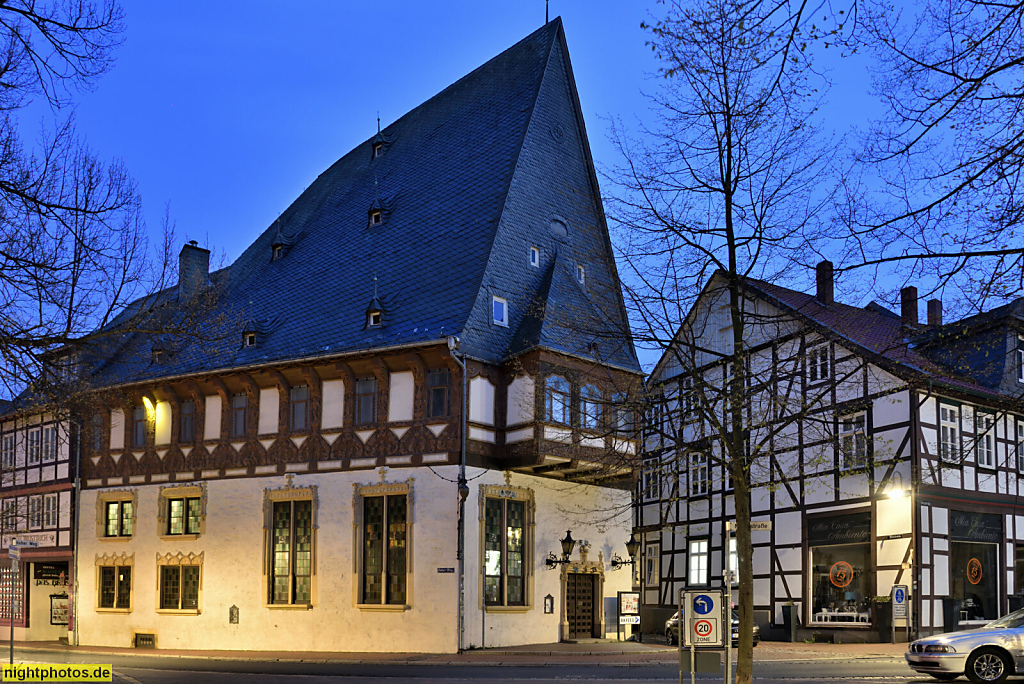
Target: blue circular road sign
x: 703, y: 604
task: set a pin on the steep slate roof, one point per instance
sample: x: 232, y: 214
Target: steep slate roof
x: 466, y: 183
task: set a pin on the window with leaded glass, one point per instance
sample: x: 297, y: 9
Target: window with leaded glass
x: 187, y: 429
x: 291, y: 563
x: 556, y: 399
x: 504, y: 552
x: 179, y: 587
x: 139, y: 427
x: 239, y: 415
x: 385, y: 553
x: 184, y: 515
x: 437, y: 393
x: 115, y: 586
x: 299, y: 402
x: 119, y: 517
x: 366, y: 401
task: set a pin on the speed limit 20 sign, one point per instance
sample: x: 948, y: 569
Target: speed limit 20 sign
x: 704, y: 617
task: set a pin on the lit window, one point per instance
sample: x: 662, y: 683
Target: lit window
x: 278, y: 252
x: 590, y: 407
x: 291, y: 548
x: 249, y: 339
x: 115, y: 587
x: 437, y: 393
x: 949, y: 422
x: 299, y: 401
x: 383, y: 578
x: 698, y: 562
x: 505, y: 552
x: 556, y: 399
x: 179, y: 587
x: 853, y: 442
x: 239, y: 415
x: 817, y: 364
x: 698, y: 474
x: 500, y: 310
x: 984, y: 446
x: 378, y: 149
x: 184, y: 516
x: 366, y: 401
x: 535, y: 257
x: 581, y: 274
x: 120, y: 519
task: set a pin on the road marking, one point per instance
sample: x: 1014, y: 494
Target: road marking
x: 126, y: 678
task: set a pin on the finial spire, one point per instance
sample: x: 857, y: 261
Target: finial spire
x: 378, y: 113
x: 374, y: 284
x: 545, y: 11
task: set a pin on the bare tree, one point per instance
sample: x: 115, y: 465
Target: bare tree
x: 727, y: 181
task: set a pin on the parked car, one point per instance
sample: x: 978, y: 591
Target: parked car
x: 672, y: 629
x: 987, y: 655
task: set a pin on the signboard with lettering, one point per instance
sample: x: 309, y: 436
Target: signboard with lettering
x: 704, y: 616
x: 976, y: 527
x: 899, y: 601
x: 629, y: 603
x: 846, y: 529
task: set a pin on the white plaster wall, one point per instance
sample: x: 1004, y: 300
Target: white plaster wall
x: 521, y: 393
x: 481, y: 401
x: 116, y: 431
x: 211, y: 429
x: 400, y: 397
x: 270, y: 407
x: 334, y: 403
x: 162, y: 434
x: 233, y: 568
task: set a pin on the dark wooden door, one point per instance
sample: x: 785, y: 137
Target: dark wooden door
x: 579, y: 605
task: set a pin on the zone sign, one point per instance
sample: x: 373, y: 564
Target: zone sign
x: 704, y: 611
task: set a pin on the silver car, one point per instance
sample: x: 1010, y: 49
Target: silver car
x: 985, y: 655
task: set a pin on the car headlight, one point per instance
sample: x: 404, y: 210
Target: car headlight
x: 939, y: 648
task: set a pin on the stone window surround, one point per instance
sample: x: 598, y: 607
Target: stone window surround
x: 115, y: 560
x: 179, y: 558
x: 110, y: 496
x: 509, y: 491
x: 382, y: 488
x: 288, y: 492
x: 180, y: 491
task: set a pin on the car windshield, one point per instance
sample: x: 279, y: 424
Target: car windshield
x: 1011, y: 621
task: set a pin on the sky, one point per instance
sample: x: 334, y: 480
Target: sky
x: 224, y: 113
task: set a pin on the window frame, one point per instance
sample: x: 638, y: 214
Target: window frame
x: 581, y: 274
x: 187, y: 422
x: 557, y: 387
x: 534, y: 257
x: 239, y: 415
x: 298, y: 406
x: 698, y: 465
x: 116, y: 564
x: 650, y: 486
x: 370, y: 397
x: 984, y: 439
x: 508, y: 495
x: 1019, y: 427
x: 860, y: 454
x: 9, y: 451
x: 384, y: 491
x: 126, y: 503
x: 140, y: 427
x: 819, y: 363
x: 165, y: 567
x: 698, y: 550
x: 950, y: 433
x: 502, y: 320
x: 590, y: 407
x: 436, y: 388
x: 34, y: 446
x: 190, y: 525
x: 292, y: 574
x: 48, y: 448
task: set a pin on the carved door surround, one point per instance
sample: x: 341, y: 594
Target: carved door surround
x: 594, y: 569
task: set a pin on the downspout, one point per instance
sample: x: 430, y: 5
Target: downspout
x: 463, y: 489
x: 76, y: 528
x: 915, y: 518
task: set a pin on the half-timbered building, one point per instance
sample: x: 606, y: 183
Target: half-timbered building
x: 885, y: 451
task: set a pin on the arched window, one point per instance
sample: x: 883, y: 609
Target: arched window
x: 590, y: 407
x: 556, y: 399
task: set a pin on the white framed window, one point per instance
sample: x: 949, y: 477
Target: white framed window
x: 35, y: 512
x: 590, y: 407
x: 373, y: 319
x: 581, y: 274
x: 49, y: 444
x: 378, y: 149
x: 499, y: 311
x: 35, y: 444
x: 818, y: 367
x: 652, y: 570
x: 249, y: 339
x: 1020, y: 446
x: 698, y: 474
x: 535, y: 257
x: 734, y: 561
x: 8, y: 451
x: 985, y: 437
x: 949, y: 433
x: 698, y: 562
x: 376, y: 217
x: 651, y: 480
x: 556, y: 399
x: 1020, y: 359
x: 853, y: 440
x: 50, y: 510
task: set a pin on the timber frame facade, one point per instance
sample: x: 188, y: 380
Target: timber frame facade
x: 888, y: 453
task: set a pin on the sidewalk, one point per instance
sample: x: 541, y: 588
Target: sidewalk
x: 604, y: 651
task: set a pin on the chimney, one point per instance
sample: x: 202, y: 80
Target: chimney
x: 824, y: 277
x: 935, y: 312
x: 908, y: 305
x: 193, y: 269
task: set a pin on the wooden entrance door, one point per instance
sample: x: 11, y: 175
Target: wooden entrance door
x: 579, y: 605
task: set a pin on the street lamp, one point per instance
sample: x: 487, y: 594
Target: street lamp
x: 568, y: 544
x: 632, y: 548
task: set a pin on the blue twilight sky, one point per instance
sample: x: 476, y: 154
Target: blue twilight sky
x: 228, y: 110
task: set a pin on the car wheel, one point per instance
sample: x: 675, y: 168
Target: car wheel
x: 988, y: 666
x: 943, y: 676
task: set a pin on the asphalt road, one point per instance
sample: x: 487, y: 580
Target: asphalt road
x: 141, y: 669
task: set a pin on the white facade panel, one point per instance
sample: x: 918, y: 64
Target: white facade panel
x: 481, y: 401
x: 400, y: 398
x: 270, y: 400
x: 521, y: 400
x: 334, y: 403
x: 162, y: 434
x: 116, y: 430
x: 211, y: 429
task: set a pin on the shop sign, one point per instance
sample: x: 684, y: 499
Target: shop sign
x: 975, y: 527
x: 50, y: 574
x: 847, y: 529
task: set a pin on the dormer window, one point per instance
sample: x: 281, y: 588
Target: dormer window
x: 378, y: 149
x: 376, y: 217
x: 535, y: 257
x: 374, y: 319
x: 248, y: 339
x: 499, y: 308
x: 581, y: 274
x: 158, y: 355
x: 278, y: 252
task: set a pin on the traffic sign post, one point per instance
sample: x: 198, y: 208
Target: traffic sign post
x: 703, y: 618
x: 900, y: 608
